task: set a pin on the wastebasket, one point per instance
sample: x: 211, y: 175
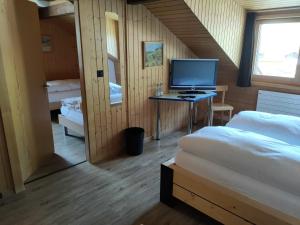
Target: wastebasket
x: 134, y: 140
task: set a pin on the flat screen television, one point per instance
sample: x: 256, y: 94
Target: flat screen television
x: 193, y: 74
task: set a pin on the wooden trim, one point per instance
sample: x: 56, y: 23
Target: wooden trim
x: 56, y: 10
x: 221, y: 203
x: 291, y: 13
x: 6, y: 181
x: 275, y: 85
x: 82, y: 78
x: 54, y: 105
x: 126, y: 61
x: 274, y: 10
x: 270, y: 19
x: 207, y: 207
x: 166, y: 185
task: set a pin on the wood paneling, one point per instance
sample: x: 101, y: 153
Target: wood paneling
x: 144, y: 26
x: 224, y: 20
x: 183, y: 22
x: 24, y: 103
x: 112, y: 35
x: 5, y: 170
x: 105, y: 122
x: 62, y: 61
x: 177, y: 14
x: 56, y: 10
x: 268, y: 4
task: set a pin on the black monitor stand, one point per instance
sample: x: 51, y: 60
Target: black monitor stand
x: 191, y: 92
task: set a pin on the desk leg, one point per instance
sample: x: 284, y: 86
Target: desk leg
x: 191, y: 115
x: 158, y: 120
x: 210, y: 119
x: 195, y: 114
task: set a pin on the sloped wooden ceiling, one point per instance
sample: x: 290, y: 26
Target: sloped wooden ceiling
x: 204, y: 27
x: 268, y: 4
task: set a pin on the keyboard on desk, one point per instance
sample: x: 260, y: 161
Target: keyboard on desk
x: 186, y: 96
x: 191, y: 92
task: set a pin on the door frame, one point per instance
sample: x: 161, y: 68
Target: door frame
x: 8, y: 125
x: 82, y: 78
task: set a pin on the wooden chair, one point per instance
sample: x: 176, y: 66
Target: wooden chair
x: 221, y: 106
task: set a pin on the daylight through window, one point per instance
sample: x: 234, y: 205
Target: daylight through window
x: 277, y: 49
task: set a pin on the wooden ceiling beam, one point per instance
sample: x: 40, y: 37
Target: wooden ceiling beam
x: 56, y: 10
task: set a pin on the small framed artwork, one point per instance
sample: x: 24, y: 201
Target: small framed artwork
x: 46, y: 43
x: 152, y: 54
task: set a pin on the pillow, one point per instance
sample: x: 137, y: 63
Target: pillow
x: 282, y: 127
x: 63, y: 85
x: 115, y: 88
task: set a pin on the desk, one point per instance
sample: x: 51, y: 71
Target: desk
x: 191, y: 101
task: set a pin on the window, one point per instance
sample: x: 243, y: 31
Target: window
x: 277, y: 48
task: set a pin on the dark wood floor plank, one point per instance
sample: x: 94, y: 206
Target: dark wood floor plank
x: 124, y: 191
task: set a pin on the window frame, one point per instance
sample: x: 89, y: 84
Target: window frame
x: 270, y: 19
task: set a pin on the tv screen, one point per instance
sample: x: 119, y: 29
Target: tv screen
x: 193, y: 74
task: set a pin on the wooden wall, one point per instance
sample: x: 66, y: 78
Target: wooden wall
x: 268, y: 4
x: 225, y: 22
x: 144, y: 26
x: 5, y: 170
x: 197, y: 36
x: 112, y: 34
x: 23, y: 98
x: 62, y: 61
x: 224, y: 19
x: 105, y: 122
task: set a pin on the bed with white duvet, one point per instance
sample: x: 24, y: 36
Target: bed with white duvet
x: 256, y: 154
x: 71, y: 109
x: 62, y: 89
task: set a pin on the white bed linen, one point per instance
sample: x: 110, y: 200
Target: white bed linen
x: 115, y: 93
x: 71, y: 109
x: 263, y: 158
x: 63, y: 85
x: 282, y: 127
x: 58, y: 96
x: 73, y: 115
x: 259, y: 191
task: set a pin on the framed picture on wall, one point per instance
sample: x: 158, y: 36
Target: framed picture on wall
x: 46, y: 43
x: 152, y: 54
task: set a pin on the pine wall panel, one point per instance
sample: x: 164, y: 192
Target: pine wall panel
x: 224, y: 19
x: 142, y: 82
x: 62, y: 61
x: 105, y: 122
x: 5, y: 170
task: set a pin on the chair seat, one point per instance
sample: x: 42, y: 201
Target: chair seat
x: 221, y: 107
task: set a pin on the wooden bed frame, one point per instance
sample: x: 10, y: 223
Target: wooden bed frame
x: 54, y: 105
x: 71, y: 125
x: 220, y: 203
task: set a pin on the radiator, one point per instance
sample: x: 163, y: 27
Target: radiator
x: 278, y: 103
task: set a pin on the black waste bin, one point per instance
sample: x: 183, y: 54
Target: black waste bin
x: 134, y: 140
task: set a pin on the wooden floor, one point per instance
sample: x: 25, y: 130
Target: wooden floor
x: 69, y: 151
x: 124, y: 191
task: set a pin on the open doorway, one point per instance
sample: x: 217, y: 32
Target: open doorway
x: 60, y: 58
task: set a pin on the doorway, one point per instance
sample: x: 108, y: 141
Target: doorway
x: 63, y: 86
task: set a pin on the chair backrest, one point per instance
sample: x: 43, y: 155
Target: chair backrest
x: 223, y: 89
